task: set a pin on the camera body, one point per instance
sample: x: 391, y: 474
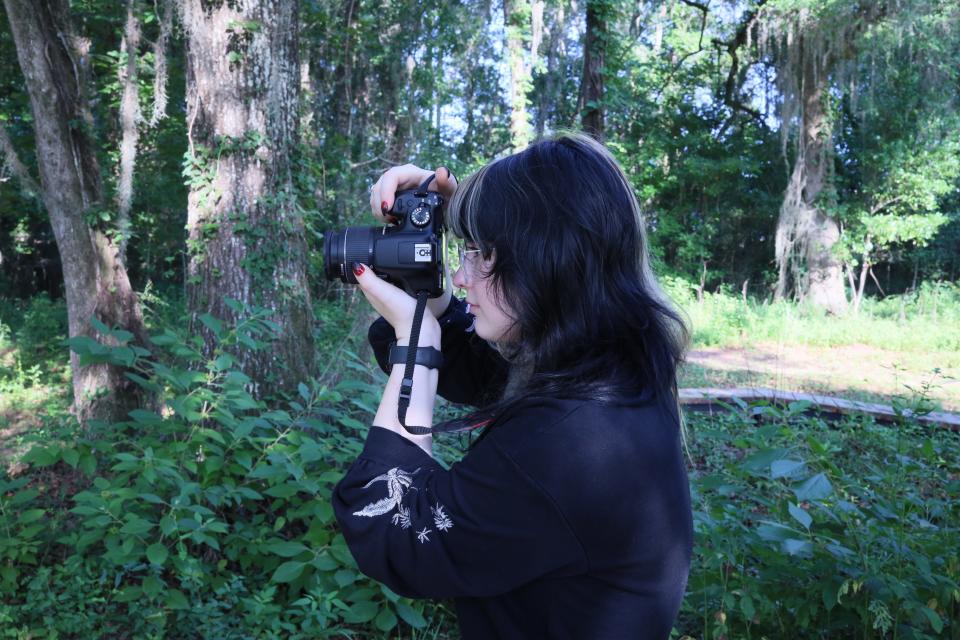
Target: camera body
x: 409, y: 254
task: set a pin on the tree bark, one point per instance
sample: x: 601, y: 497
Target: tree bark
x: 594, y: 54
x: 246, y: 235
x: 53, y: 60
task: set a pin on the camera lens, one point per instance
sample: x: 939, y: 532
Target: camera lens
x: 342, y: 248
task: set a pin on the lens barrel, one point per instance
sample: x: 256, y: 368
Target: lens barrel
x: 341, y: 249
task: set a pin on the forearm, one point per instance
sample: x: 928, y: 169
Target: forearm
x: 423, y: 396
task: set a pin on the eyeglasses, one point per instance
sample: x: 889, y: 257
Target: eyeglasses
x: 469, y: 261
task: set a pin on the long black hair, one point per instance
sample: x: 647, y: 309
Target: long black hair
x: 570, y: 260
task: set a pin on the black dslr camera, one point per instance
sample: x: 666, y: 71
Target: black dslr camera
x: 409, y: 254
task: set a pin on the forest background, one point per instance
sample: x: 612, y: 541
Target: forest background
x: 180, y: 386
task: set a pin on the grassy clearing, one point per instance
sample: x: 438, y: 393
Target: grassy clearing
x: 892, y: 349
x: 923, y: 322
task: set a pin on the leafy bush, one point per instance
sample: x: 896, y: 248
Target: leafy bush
x: 208, y: 516
x: 809, y: 530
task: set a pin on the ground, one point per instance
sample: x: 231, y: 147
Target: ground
x: 853, y: 371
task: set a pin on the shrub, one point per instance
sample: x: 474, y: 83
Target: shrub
x: 209, y: 516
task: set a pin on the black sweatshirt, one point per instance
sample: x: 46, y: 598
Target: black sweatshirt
x: 570, y: 519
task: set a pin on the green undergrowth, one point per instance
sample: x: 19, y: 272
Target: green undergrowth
x: 924, y: 321
x: 208, y: 514
x: 813, y: 529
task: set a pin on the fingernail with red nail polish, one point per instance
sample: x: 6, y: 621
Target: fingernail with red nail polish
x: 384, y: 207
x: 357, y: 269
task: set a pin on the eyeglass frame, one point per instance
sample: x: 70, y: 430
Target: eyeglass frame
x: 467, y: 263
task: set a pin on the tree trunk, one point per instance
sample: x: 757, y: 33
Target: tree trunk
x: 129, y: 123
x: 516, y: 15
x: 594, y: 54
x: 805, y: 234
x: 246, y: 236
x: 53, y: 60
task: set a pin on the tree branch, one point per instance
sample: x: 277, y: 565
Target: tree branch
x: 731, y: 86
x: 676, y: 67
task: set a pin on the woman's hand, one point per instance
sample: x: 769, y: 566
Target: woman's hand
x: 407, y: 176
x: 397, y: 307
x: 382, y: 195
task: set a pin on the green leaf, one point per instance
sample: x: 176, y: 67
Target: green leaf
x: 784, y: 468
x: 223, y: 362
x: 775, y: 532
x: 287, y: 549
x: 145, y: 417
x: 800, y: 515
x: 794, y: 547
x: 814, y: 488
x: 385, y: 620
x: 345, y: 577
x: 211, y: 323
x: 88, y: 464
x: 152, y: 585
x: 31, y: 515
x: 746, y: 605
x: 289, y: 571
x: 157, y: 553
x: 411, y: 616
x: 71, y: 457
x: 41, y: 456
x: 363, y: 611
x: 176, y: 600
x: 934, y: 618
x: 283, y: 490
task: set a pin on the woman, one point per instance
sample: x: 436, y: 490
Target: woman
x: 570, y: 516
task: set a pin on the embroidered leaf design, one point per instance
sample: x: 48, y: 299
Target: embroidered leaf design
x: 440, y: 519
x: 423, y: 536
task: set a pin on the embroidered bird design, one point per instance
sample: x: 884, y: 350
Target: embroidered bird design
x: 397, y: 482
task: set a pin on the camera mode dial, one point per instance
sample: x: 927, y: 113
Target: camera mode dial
x: 420, y: 216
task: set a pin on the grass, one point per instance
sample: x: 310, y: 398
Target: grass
x: 891, y: 348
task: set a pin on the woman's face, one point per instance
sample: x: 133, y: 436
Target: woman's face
x: 494, y: 322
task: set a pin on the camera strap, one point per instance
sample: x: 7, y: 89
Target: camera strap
x: 406, y: 386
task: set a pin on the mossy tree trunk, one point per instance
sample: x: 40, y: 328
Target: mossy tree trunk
x: 594, y: 55
x: 806, y: 234
x: 53, y: 58
x: 246, y: 235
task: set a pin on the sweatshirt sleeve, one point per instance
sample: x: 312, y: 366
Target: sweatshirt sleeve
x: 472, y: 372
x: 479, y: 529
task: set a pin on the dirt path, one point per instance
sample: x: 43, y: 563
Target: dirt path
x: 852, y: 370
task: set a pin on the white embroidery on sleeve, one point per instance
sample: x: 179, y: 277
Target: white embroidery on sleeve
x: 440, y: 519
x: 398, y: 482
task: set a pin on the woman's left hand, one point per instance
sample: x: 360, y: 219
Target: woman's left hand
x: 396, y: 306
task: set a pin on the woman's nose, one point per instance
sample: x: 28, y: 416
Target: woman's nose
x: 459, y: 278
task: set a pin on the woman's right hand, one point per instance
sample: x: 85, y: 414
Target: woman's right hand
x: 407, y: 176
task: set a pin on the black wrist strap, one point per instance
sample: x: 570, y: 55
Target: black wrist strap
x: 426, y: 356
x: 406, y: 385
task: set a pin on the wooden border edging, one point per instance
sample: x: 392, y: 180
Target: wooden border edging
x: 708, y: 399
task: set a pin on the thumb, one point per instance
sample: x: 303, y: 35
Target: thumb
x: 446, y: 183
